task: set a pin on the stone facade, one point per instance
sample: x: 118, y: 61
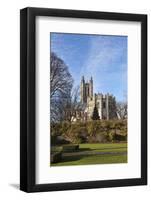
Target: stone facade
x: 106, y: 104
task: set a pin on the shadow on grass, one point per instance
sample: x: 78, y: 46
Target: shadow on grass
x: 79, y: 157
x: 71, y: 158
x: 82, y: 149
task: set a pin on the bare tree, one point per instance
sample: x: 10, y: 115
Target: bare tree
x: 73, y: 106
x: 121, y: 108
x: 60, y: 87
x: 60, y: 78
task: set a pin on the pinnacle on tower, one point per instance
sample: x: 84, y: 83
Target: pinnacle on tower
x: 82, y: 79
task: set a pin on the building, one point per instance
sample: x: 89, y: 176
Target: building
x: 106, y: 104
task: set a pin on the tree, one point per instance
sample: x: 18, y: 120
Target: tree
x: 73, y: 105
x: 95, y: 115
x: 121, y: 109
x: 61, y: 83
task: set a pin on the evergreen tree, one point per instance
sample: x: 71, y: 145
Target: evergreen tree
x: 95, y: 115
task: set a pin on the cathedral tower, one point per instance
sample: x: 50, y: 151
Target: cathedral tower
x: 82, y: 90
x: 86, y: 89
x: 106, y: 104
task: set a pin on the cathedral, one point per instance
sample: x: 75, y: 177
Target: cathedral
x: 106, y: 104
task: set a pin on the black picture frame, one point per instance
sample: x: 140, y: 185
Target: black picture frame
x: 28, y: 99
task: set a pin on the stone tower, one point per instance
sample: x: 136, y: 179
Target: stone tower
x: 106, y: 103
x: 86, y: 89
x: 82, y: 90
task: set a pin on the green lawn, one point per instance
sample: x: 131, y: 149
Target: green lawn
x: 113, y: 147
x: 74, y: 158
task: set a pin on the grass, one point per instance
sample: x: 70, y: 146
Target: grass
x: 113, y: 147
x: 97, y: 159
x: 74, y: 158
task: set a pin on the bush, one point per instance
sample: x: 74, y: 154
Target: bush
x: 118, y: 137
x: 90, y: 131
x: 101, y: 138
x: 110, y: 136
x: 77, y: 133
x: 58, y: 140
x: 65, y: 126
x: 94, y: 127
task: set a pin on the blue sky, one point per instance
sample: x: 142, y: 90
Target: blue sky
x: 104, y: 57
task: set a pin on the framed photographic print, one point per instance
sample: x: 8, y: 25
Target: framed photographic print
x: 83, y: 99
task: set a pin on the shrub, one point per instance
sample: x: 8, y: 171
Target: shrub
x: 89, y: 131
x: 58, y: 140
x: 118, y: 137
x: 93, y: 127
x: 77, y: 133
x: 65, y: 126
x: 101, y: 138
x: 110, y: 136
